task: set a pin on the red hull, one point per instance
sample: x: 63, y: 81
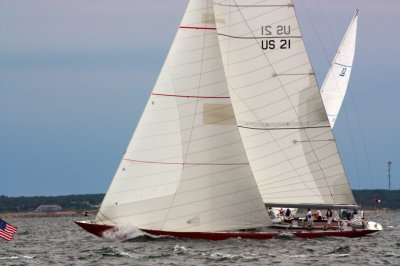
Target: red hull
x: 216, y: 235
x: 98, y: 230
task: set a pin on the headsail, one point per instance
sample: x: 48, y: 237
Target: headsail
x: 186, y: 169
x: 277, y: 105
x: 335, y: 85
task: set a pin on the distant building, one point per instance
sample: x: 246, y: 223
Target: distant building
x: 48, y: 208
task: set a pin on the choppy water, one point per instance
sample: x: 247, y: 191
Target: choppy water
x: 58, y: 241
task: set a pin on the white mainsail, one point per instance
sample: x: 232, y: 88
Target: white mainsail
x: 185, y: 168
x: 335, y: 85
x: 278, y: 106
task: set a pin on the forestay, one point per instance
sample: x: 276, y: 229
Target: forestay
x: 185, y: 168
x: 277, y: 104
x: 335, y: 85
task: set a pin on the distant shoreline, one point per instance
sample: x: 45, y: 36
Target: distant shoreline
x: 74, y: 205
x: 39, y: 214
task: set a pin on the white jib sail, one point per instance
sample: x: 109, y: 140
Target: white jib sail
x: 185, y: 168
x: 278, y: 106
x: 335, y: 85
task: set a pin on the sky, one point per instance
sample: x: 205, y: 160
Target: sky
x: 75, y: 76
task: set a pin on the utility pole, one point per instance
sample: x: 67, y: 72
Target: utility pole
x: 389, y: 163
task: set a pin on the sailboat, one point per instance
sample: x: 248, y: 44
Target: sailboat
x: 235, y: 121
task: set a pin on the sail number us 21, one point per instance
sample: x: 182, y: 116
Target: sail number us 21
x: 279, y: 31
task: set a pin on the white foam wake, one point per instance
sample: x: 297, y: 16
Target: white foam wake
x: 123, y: 232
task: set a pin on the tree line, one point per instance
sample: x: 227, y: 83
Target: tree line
x: 68, y: 203
x: 368, y: 199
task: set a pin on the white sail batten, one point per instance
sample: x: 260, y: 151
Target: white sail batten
x: 277, y: 104
x: 334, y: 87
x: 185, y: 168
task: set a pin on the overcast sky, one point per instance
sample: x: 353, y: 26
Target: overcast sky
x: 75, y: 76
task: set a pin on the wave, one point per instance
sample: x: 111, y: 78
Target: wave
x: 123, y: 232
x: 115, y: 252
x: 221, y: 256
x: 178, y: 249
x: 341, y: 250
x: 16, y: 257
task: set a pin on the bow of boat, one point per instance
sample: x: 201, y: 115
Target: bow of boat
x: 94, y: 228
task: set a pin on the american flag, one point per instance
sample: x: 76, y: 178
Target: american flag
x: 7, y: 231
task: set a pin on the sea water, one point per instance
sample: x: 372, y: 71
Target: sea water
x: 58, y: 241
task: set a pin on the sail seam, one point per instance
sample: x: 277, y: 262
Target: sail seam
x: 288, y: 5
x: 196, y: 28
x: 293, y: 107
x: 290, y: 178
x: 303, y: 196
x: 189, y: 179
x: 196, y: 212
x: 318, y: 179
x: 260, y: 37
x: 298, y: 168
x: 341, y: 64
x: 191, y: 96
x: 182, y: 163
x: 283, y: 128
x: 237, y: 179
x: 267, y: 79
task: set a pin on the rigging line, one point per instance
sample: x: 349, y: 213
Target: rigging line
x: 193, y: 121
x: 106, y: 218
x: 359, y: 125
x: 327, y: 60
x: 316, y: 33
x: 326, y: 25
x: 282, y: 86
x: 357, y: 119
x: 363, y: 140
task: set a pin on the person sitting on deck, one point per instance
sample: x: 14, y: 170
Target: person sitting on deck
x: 271, y: 213
x: 315, y: 215
x: 319, y: 215
x: 310, y: 222
x: 288, y: 212
x: 344, y: 214
x: 329, y: 216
